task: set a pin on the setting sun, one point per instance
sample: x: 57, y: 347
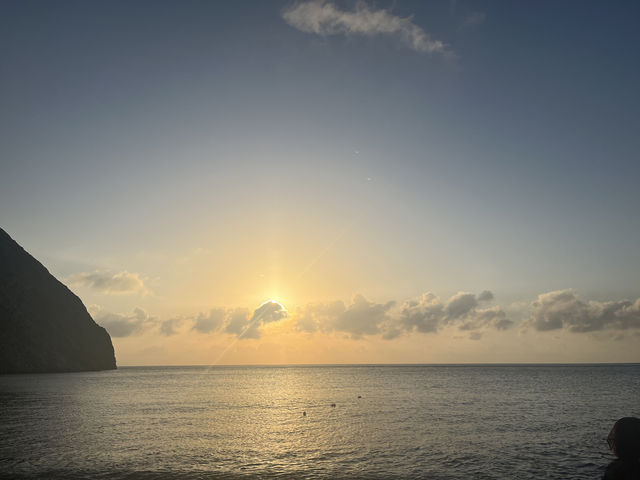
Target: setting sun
x: 273, y: 227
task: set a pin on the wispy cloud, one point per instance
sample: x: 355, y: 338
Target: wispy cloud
x: 325, y: 18
x: 474, y: 18
x: 122, y: 325
x: 110, y: 283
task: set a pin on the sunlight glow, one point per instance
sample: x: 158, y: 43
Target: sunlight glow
x: 276, y: 302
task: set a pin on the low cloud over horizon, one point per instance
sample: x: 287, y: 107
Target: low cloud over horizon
x: 122, y: 325
x: 326, y: 18
x: 469, y: 313
x: 563, y: 309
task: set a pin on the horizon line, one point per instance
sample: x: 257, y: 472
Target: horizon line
x: 469, y: 364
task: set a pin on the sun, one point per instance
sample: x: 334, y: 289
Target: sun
x: 271, y: 300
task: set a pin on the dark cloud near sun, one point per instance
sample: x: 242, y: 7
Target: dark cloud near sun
x: 268, y: 312
x: 244, y: 326
x: 211, y: 321
x: 239, y: 321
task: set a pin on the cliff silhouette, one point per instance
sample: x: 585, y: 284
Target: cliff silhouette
x: 44, y: 327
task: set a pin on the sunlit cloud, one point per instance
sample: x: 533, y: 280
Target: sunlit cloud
x: 111, y: 283
x: 246, y: 325
x: 268, y: 312
x: 326, y: 18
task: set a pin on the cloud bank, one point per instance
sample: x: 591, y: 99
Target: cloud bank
x: 563, y: 309
x: 110, y: 283
x: 465, y: 312
x: 426, y: 314
x: 325, y: 18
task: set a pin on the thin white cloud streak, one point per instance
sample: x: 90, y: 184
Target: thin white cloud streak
x: 325, y: 18
x: 110, y: 283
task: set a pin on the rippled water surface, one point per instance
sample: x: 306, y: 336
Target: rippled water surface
x: 436, y: 422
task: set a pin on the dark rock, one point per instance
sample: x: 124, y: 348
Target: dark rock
x: 44, y: 327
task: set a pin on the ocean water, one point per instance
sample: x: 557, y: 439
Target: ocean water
x: 432, y: 422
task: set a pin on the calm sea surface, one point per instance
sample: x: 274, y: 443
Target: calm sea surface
x: 435, y: 422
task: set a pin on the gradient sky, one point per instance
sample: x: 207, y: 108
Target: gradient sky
x: 177, y: 164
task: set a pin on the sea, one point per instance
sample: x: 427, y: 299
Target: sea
x: 308, y: 422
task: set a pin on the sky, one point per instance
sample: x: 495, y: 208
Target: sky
x: 331, y: 182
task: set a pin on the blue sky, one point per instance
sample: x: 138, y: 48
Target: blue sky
x: 470, y: 146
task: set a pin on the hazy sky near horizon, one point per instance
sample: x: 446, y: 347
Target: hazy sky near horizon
x: 178, y: 164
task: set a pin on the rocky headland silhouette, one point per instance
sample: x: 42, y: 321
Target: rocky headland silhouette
x: 44, y: 327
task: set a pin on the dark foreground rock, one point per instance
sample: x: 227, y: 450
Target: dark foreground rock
x: 44, y: 327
